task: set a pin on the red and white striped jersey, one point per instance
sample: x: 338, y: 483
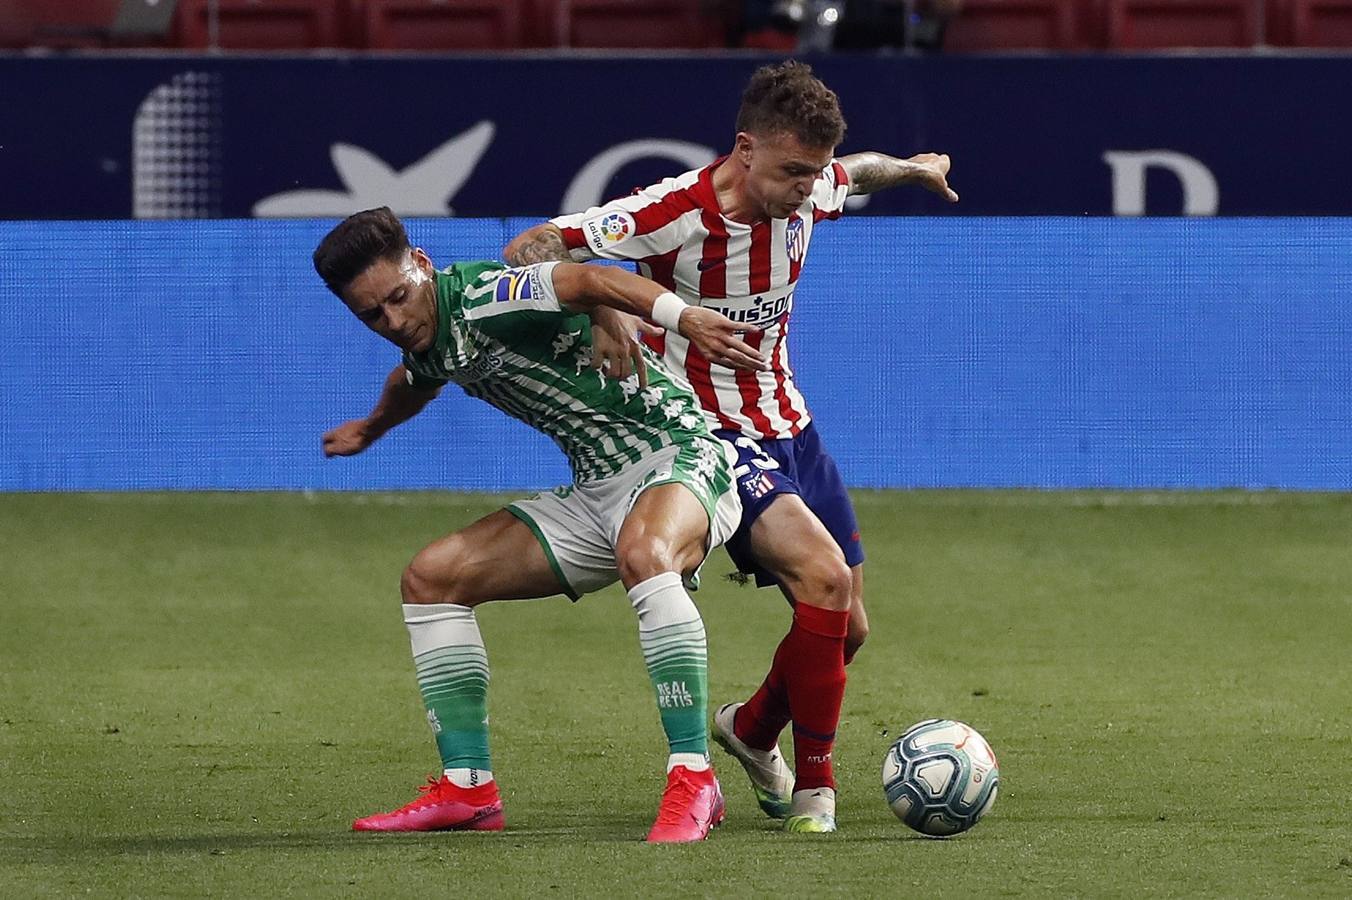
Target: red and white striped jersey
x: 679, y: 237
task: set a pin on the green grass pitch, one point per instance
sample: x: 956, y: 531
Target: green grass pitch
x: 198, y: 693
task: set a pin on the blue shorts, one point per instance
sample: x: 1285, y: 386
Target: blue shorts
x: 799, y: 465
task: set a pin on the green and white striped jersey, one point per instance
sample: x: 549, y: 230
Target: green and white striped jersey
x: 503, y: 337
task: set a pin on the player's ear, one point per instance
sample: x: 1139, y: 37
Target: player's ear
x: 422, y: 260
x: 744, y: 147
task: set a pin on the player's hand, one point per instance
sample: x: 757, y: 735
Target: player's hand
x: 348, y: 439
x: 932, y: 174
x: 716, y: 337
x: 615, y: 349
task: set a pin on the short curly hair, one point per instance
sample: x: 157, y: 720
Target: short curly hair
x: 788, y: 98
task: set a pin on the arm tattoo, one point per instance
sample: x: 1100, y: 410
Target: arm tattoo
x: 872, y: 171
x: 546, y: 245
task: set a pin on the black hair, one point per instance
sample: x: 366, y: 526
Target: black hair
x: 355, y: 243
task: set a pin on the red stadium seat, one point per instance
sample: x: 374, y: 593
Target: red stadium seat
x: 16, y: 24
x: 1316, y: 23
x: 1012, y: 25
x: 442, y: 24
x: 621, y: 24
x: 262, y: 24
x: 1276, y: 24
x: 41, y: 23
x: 1149, y: 24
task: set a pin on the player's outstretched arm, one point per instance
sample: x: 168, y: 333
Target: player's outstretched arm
x: 399, y: 401
x: 540, y: 243
x: 615, y: 350
x: 582, y: 287
x: 872, y: 171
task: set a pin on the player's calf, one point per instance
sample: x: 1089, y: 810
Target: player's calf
x: 856, y: 633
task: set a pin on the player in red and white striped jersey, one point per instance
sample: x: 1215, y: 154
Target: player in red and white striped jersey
x: 733, y: 237
x: 747, y: 270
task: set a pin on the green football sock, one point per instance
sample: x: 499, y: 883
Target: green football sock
x: 671, y: 633
x: 452, y: 667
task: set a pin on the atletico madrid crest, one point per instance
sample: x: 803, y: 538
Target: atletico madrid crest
x: 794, y: 244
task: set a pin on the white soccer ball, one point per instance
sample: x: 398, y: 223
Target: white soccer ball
x: 940, y: 777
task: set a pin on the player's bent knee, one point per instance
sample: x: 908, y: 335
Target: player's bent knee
x: 416, y: 587
x: 436, y: 575
x: 637, y: 561
x: 826, y: 583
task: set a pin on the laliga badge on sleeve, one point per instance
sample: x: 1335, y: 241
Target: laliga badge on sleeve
x: 608, y: 229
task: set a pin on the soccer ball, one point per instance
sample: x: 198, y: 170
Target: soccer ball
x: 940, y: 777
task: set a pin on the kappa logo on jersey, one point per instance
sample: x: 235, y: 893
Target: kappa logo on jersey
x: 476, y: 368
x: 608, y: 230
x: 794, y: 244
x: 514, y: 286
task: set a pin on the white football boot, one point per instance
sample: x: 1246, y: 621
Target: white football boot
x: 770, y: 776
x: 813, y: 811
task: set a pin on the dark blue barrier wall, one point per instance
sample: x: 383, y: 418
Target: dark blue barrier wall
x: 935, y: 352
x: 176, y: 136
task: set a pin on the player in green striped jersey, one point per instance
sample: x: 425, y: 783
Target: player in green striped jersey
x: 652, y: 492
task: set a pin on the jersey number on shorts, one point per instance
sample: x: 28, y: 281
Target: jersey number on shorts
x: 755, y: 456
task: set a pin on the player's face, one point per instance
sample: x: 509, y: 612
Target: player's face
x: 780, y: 170
x: 397, y: 300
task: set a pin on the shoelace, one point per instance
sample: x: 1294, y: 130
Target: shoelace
x: 676, y: 801
x: 427, y: 790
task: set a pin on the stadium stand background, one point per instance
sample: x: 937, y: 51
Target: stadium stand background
x: 1041, y: 333
x: 497, y: 25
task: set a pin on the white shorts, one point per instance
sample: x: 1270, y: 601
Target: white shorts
x: 578, y: 524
